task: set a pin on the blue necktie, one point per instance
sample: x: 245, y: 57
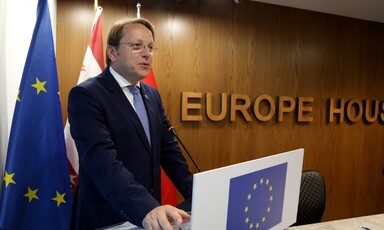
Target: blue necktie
x: 140, y: 109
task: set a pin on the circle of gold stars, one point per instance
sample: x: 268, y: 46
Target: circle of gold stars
x: 265, y: 184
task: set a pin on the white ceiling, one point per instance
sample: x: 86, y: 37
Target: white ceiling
x: 371, y: 10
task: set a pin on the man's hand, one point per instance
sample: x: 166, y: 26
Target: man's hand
x: 161, y: 218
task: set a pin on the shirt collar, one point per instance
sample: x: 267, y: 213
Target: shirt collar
x: 120, y: 80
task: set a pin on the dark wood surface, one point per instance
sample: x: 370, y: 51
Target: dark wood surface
x: 253, y: 49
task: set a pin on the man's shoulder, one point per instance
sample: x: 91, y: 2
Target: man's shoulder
x: 104, y: 80
x: 92, y: 81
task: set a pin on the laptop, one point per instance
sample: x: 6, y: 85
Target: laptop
x: 258, y: 194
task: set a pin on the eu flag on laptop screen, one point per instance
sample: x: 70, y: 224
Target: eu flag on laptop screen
x: 256, y: 199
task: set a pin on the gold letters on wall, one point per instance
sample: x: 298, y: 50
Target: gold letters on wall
x: 264, y: 108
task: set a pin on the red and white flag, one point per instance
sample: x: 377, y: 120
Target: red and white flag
x: 93, y: 64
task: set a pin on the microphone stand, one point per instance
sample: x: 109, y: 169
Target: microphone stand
x: 172, y: 129
x: 187, y: 204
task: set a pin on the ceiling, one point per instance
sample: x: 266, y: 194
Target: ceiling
x: 371, y: 10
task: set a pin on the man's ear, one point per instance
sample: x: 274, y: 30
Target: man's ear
x: 112, y: 52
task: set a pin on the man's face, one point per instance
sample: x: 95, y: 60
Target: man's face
x: 132, y: 59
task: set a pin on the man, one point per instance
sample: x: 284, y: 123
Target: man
x: 119, y: 176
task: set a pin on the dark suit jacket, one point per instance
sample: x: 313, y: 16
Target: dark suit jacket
x: 119, y: 175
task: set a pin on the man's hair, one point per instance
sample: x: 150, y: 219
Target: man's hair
x: 116, y: 33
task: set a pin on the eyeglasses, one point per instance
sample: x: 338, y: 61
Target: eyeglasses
x: 138, y: 48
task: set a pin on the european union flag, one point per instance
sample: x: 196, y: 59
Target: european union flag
x: 36, y: 191
x: 256, y: 199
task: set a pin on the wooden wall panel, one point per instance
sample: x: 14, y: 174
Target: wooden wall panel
x: 254, y: 49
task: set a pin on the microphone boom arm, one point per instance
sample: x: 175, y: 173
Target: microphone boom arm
x: 172, y: 129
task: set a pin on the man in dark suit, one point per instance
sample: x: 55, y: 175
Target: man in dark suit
x: 119, y: 176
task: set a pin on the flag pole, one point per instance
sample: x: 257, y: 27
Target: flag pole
x: 96, y: 5
x: 138, y: 5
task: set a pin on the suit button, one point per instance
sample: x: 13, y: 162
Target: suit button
x: 151, y: 191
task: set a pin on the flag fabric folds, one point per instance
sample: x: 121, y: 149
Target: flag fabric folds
x: 36, y: 190
x: 93, y: 64
x: 256, y: 199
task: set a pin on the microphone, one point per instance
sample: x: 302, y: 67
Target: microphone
x: 172, y: 129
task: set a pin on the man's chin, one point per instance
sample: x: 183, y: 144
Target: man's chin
x: 144, y: 74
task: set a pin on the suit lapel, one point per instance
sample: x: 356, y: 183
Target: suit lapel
x: 118, y: 94
x: 152, y: 114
